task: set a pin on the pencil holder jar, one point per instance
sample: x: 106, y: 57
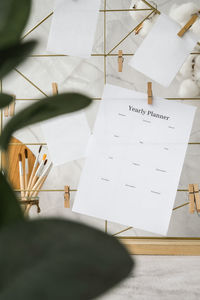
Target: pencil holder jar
x: 28, y: 202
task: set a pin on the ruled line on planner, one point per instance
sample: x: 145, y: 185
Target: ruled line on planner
x: 131, y: 186
x: 136, y: 164
x: 154, y: 192
x: 105, y: 179
x: 122, y: 115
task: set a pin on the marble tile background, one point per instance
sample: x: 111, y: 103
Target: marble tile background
x: 87, y: 76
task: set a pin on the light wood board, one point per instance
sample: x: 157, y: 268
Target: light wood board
x: 13, y: 170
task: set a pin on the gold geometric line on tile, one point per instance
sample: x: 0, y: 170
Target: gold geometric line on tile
x: 75, y: 190
x: 153, y: 11
x: 177, y: 207
x: 123, y: 230
x: 94, y: 54
x: 101, y: 10
x: 48, y: 190
x: 29, y: 144
x: 121, y: 10
x: 38, y: 99
x: 33, y: 84
x: 97, y: 99
x: 151, y: 6
x: 37, y: 25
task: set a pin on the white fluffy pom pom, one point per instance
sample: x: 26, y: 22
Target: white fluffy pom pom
x: 197, y: 62
x: 146, y: 27
x: 138, y: 15
x: 196, y: 27
x: 186, y: 70
x: 182, y: 13
x: 188, y: 88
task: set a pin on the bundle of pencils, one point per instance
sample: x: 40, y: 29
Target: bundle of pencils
x: 30, y: 187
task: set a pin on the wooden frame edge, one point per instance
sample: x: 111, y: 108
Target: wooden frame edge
x: 161, y: 246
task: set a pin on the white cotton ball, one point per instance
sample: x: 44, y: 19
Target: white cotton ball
x: 197, y: 62
x: 186, y: 69
x: 182, y: 13
x: 138, y: 15
x: 146, y: 27
x: 188, y: 88
x: 196, y: 27
x: 197, y: 76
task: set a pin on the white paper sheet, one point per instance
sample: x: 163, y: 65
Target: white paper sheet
x: 137, y: 152
x: 73, y: 27
x: 67, y: 137
x: 163, y: 52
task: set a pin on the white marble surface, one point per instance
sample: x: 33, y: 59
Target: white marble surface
x: 173, y: 277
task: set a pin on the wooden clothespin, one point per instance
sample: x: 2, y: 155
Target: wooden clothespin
x: 67, y: 197
x: 191, y: 198
x: 12, y: 107
x: 188, y: 25
x: 55, y: 88
x: 120, y: 60
x: 9, y: 111
x: 138, y: 28
x: 149, y: 92
x: 197, y: 196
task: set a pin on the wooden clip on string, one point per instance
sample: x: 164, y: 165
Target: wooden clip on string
x: 67, y: 197
x: 9, y: 111
x: 149, y: 92
x: 188, y: 25
x: 194, y: 198
x: 55, y: 88
x: 120, y: 60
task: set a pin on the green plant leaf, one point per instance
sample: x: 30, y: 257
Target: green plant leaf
x: 43, y: 110
x: 57, y: 259
x: 5, y: 100
x: 13, y: 17
x: 10, y: 210
x: 12, y: 56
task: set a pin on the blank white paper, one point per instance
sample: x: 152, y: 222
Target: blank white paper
x: 67, y: 137
x: 135, y: 160
x: 163, y: 52
x: 73, y: 27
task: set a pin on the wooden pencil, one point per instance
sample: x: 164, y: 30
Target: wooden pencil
x: 26, y: 169
x: 21, y: 176
x: 33, y: 171
x: 37, y: 177
x: 37, y: 173
x: 41, y: 180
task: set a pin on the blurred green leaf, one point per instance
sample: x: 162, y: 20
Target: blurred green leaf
x: 5, y: 100
x: 43, y: 110
x: 12, y: 56
x: 57, y: 259
x: 13, y: 17
x: 10, y: 210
